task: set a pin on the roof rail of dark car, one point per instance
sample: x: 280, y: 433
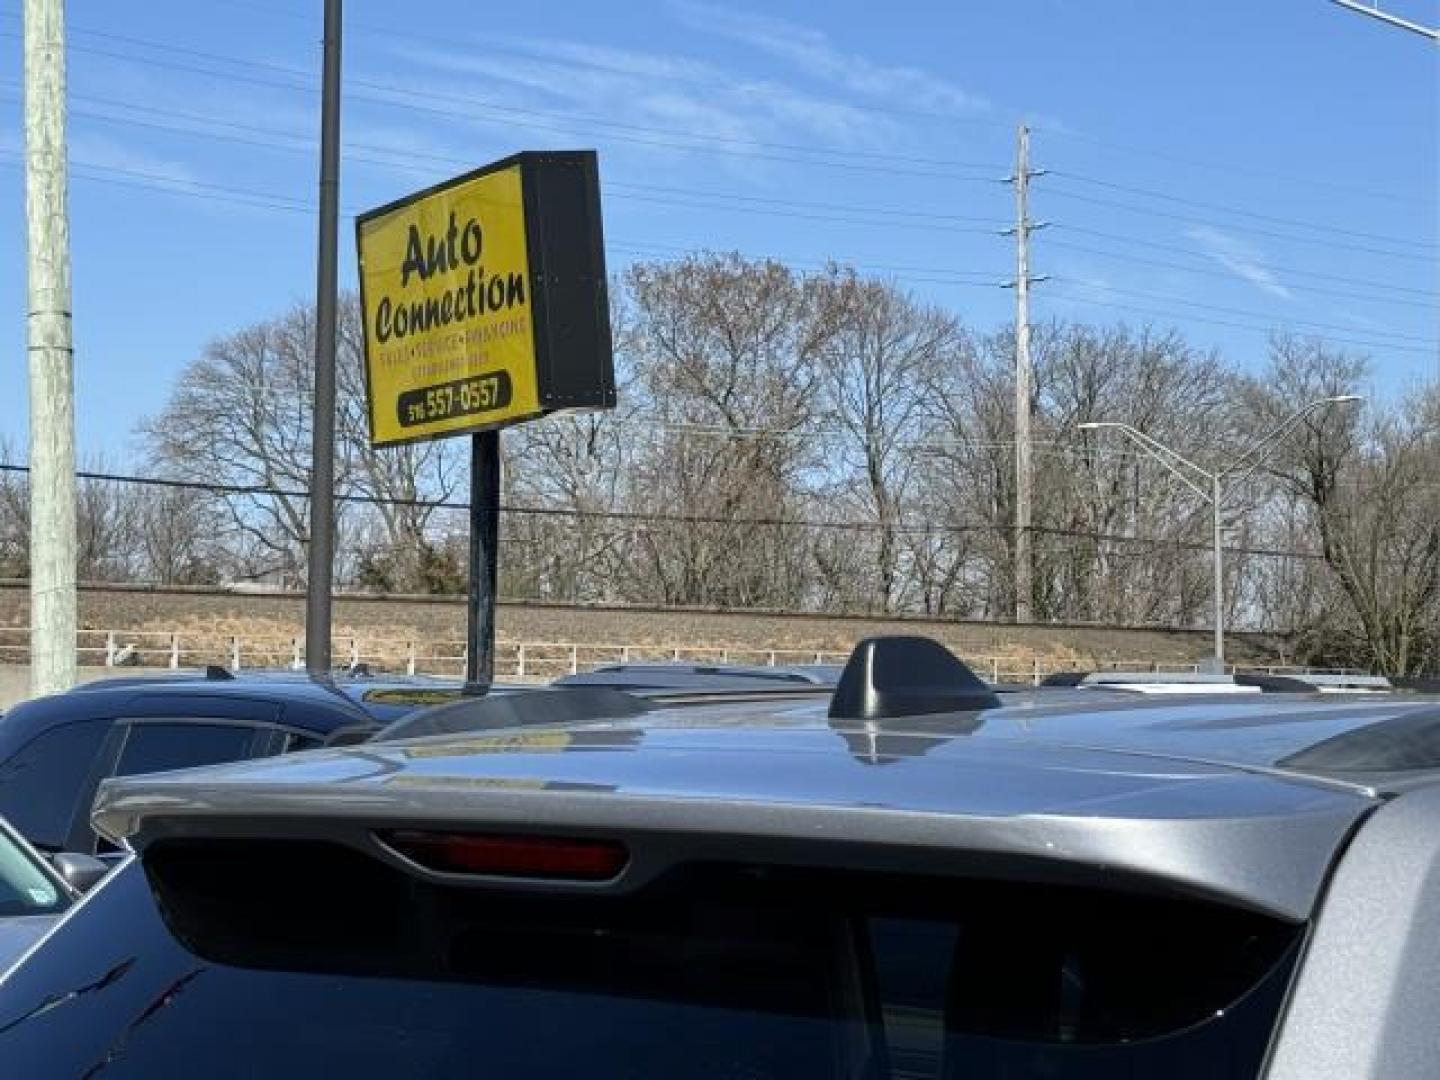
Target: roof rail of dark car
x: 885, y: 678
x: 519, y: 708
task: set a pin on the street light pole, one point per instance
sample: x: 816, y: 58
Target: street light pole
x: 1219, y: 596
x: 1208, y: 485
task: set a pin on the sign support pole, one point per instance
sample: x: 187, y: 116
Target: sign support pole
x: 319, y: 582
x: 484, y: 561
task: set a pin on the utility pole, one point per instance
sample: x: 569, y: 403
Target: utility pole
x: 322, y: 448
x: 51, y: 355
x: 1024, y: 375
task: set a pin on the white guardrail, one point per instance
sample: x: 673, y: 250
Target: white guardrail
x: 523, y: 661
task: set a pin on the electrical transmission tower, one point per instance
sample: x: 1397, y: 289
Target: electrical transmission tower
x: 1024, y: 374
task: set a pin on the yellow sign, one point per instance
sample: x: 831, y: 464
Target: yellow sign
x: 484, y: 300
x: 449, y: 332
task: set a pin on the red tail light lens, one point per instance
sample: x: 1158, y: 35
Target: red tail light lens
x: 511, y: 856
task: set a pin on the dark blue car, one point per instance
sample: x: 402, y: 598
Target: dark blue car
x: 55, y: 751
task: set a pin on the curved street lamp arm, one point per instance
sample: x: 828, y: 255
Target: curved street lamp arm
x: 1171, y: 459
x: 1256, y: 454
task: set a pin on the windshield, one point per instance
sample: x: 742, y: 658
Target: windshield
x: 713, y: 972
x: 25, y: 888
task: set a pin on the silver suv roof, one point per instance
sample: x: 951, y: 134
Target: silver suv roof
x: 1206, y: 795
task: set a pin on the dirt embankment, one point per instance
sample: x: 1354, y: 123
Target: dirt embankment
x: 207, y: 622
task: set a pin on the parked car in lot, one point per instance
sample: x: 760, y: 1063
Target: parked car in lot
x: 55, y: 751
x: 34, y: 893
x: 912, y: 877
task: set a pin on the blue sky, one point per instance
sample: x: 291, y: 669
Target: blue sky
x: 1223, y: 167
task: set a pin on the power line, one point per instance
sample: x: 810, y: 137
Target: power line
x: 170, y: 186
x: 764, y: 208
x: 613, y: 189
x: 498, y: 45
x: 794, y: 215
x: 260, y: 200
x: 765, y: 201
x: 472, y: 103
x: 1273, y: 327
x: 1230, y: 167
x: 708, y: 143
x: 635, y: 516
x: 1229, y: 275
x: 1157, y: 245
x: 1239, y: 311
x: 263, y: 200
x: 243, y: 197
x: 391, y: 33
x: 1250, y: 230
x: 925, y: 215
x: 674, y: 254
x: 176, y: 185
x: 1239, y: 211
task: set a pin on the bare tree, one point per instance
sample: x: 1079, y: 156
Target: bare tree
x: 1361, y: 481
x: 404, y: 481
x: 177, y: 530
x: 106, y: 526
x: 14, y: 516
x: 240, y: 416
x: 573, y: 471
x: 1097, y: 486
x: 725, y: 360
x: 883, y: 354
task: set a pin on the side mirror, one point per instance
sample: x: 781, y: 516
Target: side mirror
x: 81, y: 872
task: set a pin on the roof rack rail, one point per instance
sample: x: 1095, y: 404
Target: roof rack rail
x: 519, y: 708
x: 1167, y: 682
x: 890, y: 677
x: 1339, y: 684
x: 1171, y: 682
x: 217, y: 673
x: 1273, y: 684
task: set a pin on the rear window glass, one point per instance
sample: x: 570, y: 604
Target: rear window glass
x: 296, y: 959
x: 40, y: 784
x: 156, y: 747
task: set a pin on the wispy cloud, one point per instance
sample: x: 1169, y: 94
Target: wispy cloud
x: 1240, y: 257
x: 814, y: 53
x: 1087, y: 286
x: 1360, y: 322
x: 647, y: 96
x: 127, y: 159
